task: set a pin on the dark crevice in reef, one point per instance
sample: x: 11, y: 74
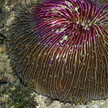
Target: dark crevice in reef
x: 2, y: 38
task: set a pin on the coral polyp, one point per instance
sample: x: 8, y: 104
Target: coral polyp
x: 62, y: 47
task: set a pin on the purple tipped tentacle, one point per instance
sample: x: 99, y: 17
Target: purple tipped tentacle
x: 105, y: 29
x: 103, y: 16
x: 93, y: 35
x: 100, y: 11
x: 88, y: 9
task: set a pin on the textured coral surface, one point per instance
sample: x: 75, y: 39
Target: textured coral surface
x: 43, y: 102
x: 62, y: 48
